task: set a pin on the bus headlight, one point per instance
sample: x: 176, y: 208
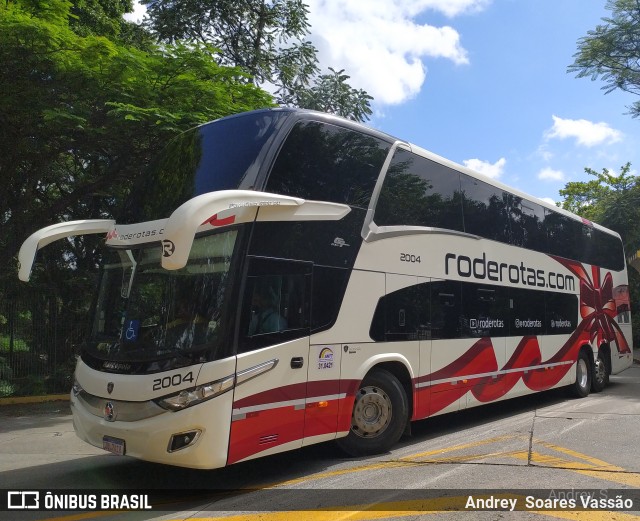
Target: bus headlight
x: 201, y: 393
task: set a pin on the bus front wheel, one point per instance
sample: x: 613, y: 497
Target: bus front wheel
x: 582, y: 385
x: 379, y: 417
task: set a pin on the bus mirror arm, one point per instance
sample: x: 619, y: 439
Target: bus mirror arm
x: 182, y: 225
x: 44, y: 236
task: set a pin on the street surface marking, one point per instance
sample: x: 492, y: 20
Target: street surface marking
x: 564, y: 458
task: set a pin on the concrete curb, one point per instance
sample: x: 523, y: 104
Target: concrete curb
x: 15, y: 400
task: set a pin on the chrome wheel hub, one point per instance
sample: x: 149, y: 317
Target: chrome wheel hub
x: 371, y: 412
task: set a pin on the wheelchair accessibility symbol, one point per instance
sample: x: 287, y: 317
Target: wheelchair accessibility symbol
x: 131, y: 329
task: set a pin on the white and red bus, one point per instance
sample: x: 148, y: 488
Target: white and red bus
x: 288, y: 277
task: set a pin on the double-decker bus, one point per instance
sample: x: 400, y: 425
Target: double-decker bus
x: 286, y: 277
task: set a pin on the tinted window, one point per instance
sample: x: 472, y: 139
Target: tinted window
x: 449, y: 309
x: 607, y: 251
x: 565, y: 235
x: 403, y: 312
x: 220, y: 155
x: 527, y: 225
x: 486, y: 210
x: 486, y: 310
x: 402, y: 315
x: 328, y: 163
x: 330, y: 243
x: 419, y: 192
x: 561, y: 313
x: 328, y: 290
x: 276, y: 303
x: 527, y: 312
x: 573, y: 239
x: 447, y: 318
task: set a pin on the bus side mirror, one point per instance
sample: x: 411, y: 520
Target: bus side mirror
x: 55, y: 232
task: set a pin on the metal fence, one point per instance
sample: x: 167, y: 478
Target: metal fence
x: 39, y: 336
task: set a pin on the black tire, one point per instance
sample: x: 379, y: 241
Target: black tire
x: 380, y: 414
x: 600, y: 377
x: 582, y: 385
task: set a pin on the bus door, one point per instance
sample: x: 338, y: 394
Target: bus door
x: 323, y: 393
x: 326, y: 400
x: 273, y: 354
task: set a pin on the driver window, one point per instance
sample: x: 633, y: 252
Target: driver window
x: 276, y: 304
x: 266, y: 305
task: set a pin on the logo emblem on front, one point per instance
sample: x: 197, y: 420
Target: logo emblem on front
x: 168, y: 248
x: 110, y: 387
x: 109, y: 412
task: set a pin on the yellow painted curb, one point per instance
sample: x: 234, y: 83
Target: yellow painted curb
x: 13, y: 400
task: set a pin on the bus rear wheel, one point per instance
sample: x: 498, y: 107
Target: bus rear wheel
x: 379, y: 417
x: 600, y: 374
x: 582, y: 385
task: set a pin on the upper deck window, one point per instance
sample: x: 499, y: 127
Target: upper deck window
x: 325, y: 162
x: 222, y: 155
x: 420, y: 192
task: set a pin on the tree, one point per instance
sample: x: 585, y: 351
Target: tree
x: 610, y: 200
x: 333, y: 94
x: 266, y: 38
x: 611, y: 51
x: 105, y: 18
x: 80, y: 116
x: 98, y: 17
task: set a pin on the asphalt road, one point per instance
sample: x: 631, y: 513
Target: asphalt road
x: 524, y: 452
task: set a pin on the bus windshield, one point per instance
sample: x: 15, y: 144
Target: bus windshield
x: 145, y: 313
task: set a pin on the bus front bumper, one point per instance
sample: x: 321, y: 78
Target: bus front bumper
x: 196, y: 437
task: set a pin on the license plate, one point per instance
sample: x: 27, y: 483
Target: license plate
x: 114, y: 445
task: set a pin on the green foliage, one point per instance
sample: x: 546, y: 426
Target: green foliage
x: 61, y: 380
x: 331, y: 93
x: 99, y: 17
x: 80, y: 116
x: 259, y: 36
x: 87, y: 102
x: 611, y: 51
x: 31, y: 386
x: 610, y: 200
x: 5, y: 369
x: 266, y: 39
x: 19, y: 345
x: 6, y: 389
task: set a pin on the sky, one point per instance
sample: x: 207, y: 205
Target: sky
x: 483, y: 83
